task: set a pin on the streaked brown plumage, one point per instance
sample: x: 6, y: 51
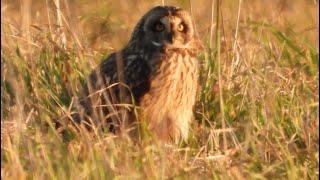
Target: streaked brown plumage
x: 159, y: 69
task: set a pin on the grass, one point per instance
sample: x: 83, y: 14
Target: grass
x: 256, y: 115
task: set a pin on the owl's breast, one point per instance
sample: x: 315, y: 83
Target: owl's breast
x: 169, y: 102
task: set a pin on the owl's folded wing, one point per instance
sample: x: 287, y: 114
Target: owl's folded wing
x: 136, y: 72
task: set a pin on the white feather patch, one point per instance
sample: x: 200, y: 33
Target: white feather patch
x: 156, y: 44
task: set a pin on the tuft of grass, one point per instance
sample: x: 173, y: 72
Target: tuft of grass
x: 257, y: 111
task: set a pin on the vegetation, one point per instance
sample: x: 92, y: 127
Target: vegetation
x: 257, y: 111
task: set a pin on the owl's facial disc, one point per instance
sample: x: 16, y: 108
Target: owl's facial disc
x: 165, y: 27
x: 171, y: 32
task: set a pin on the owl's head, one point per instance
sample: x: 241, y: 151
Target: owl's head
x: 166, y: 26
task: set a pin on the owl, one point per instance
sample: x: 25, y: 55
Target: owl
x: 152, y: 80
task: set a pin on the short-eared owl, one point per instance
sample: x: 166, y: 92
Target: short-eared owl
x: 157, y: 71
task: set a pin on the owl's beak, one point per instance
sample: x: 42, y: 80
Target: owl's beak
x: 169, y: 39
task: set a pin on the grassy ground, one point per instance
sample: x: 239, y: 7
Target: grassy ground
x: 257, y: 111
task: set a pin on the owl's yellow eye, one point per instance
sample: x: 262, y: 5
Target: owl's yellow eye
x: 180, y: 27
x: 159, y: 27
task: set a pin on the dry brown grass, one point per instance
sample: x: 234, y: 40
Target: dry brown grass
x: 256, y: 116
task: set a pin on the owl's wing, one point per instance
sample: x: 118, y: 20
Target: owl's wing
x: 136, y: 72
x: 136, y: 75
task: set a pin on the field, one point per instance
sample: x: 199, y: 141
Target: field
x: 256, y: 115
